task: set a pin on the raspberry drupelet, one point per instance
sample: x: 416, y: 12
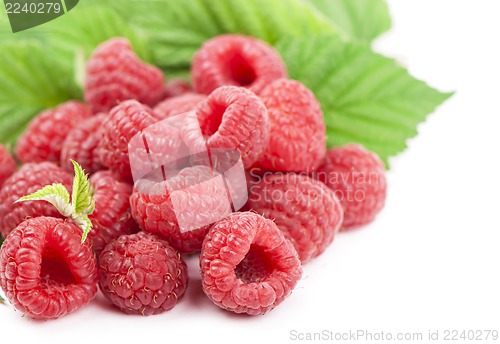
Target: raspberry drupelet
x: 44, y: 137
x: 7, y: 165
x: 115, y: 74
x: 203, y: 201
x: 29, y: 178
x: 45, y: 270
x: 142, y: 274
x: 297, y: 140
x: 179, y: 104
x: 124, y: 122
x: 233, y: 118
x: 305, y: 210
x: 247, y: 264
x: 357, y: 176
x: 82, y: 145
x: 236, y: 60
x: 112, y: 215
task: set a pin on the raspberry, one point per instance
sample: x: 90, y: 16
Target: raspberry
x: 45, y: 270
x: 179, y: 104
x: 81, y: 145
x: 357, y: 176
x: 177, y: 87
x: 125, y: 121
x: 7, y: 164
x: 236, y: 60
x: 115, y: 74
x: 44, y: 137
x: 203, y: 200
x: 305, y: 210
x: 234, y: 118
x: 111, y: 217
x: 247, y: 265
x: 298, y: 140
x: 142, y: 274
x: 28, y: 179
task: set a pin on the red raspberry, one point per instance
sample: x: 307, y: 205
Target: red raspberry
x: 247, y: 265
x: 179, y: 104
x: 44, y: 137
x: 125, y: 121
x: 142, y: 274
x: 234, y: 118
x: 115, y: 74
x: 236, y: 60
x: 7, y: 165
x: 45, y: 270
x: 298, y: 140
x: 81, y: 145
x: 203, y: 199
x: 28, y: 179
x: 111, y: 217
x: 357, y: 176
x: 177, y: 87
x: 305, y: 210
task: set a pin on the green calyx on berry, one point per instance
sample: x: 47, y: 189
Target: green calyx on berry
x: 82, y: 199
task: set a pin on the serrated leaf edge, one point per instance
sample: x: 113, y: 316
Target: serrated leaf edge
x: 82, y: 199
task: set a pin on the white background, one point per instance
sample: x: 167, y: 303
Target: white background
x: 431, y: 261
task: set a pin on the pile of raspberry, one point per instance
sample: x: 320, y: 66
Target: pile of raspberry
x: 300, y: 195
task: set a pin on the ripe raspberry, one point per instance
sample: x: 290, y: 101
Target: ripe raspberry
x: 179, y: 104
x: 142, y: 274
x: 157, y: 209
x: 234, y: 118
x: 357, y: 176
x: 28, y: 179
x: 236, y: 60
x: 45, y: 270
x: 44, y: 137
x: 81, y: 145
x: 177, y: 87
x: 298, y: 140
x: 305, y: 210
x: 7, y: 165
x: 115, y: 74
x: 125, y: 121
x: 111, y: 217
x: 247, y: 265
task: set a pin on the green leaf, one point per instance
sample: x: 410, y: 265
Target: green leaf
x: 84, y: 223
x: 85, y: 27
x: 56, y: 194
x: 32, y: 78
x: 178, y: 28
x: 6, y: 34
x: 366, y: 98
x: 167, y: 33
x: 357, y: 20
x: 82, y: 200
